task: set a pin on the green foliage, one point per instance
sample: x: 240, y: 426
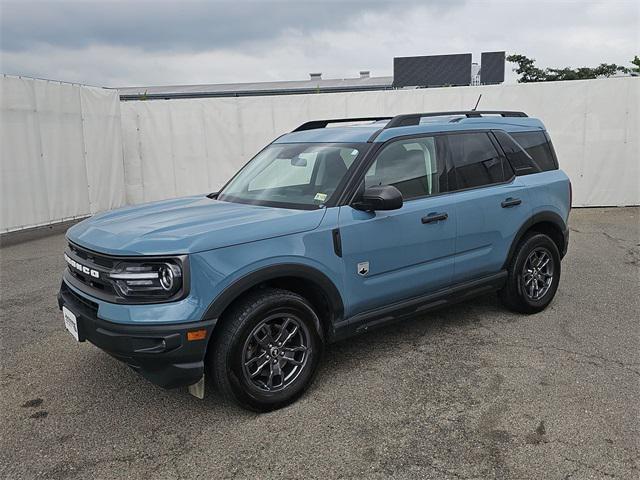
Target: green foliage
x: 526, y: 68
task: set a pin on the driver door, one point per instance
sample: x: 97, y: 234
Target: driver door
x: 390, y: 256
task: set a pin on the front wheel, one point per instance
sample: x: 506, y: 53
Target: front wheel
x: 533, y: 275
x: 267, y: 351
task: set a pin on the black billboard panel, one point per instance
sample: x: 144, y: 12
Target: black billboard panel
x: 492, y: 67
x: 432, y: 70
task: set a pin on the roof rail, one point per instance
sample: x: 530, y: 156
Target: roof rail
x: 414, y: 118
x: 323, y: 123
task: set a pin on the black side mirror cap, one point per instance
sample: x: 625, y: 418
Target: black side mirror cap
x: 379, y: 197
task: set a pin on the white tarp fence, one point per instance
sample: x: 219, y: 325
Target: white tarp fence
x: 68, y: 151
x: 187, y: 146
x: 60, y: 152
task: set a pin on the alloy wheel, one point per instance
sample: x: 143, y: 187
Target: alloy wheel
x: 537, y: 273
x: 275, y: 352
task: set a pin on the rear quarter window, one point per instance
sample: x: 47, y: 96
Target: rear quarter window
x: 538, y: 147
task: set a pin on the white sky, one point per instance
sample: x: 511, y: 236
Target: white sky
x: 162, y: 43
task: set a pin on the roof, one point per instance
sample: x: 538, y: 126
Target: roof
x: 450, y: 123
x: 257, y: 88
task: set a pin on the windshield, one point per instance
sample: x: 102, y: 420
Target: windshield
x: 294, y: 175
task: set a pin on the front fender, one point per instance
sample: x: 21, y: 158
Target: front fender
x: 231, y: 271
x: 243, y: 282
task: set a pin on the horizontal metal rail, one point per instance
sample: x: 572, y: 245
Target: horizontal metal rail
x: 408, y: 119
x: 323, y: 123
x: 414, y: 118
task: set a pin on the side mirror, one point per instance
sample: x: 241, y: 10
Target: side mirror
x: 379, y: 197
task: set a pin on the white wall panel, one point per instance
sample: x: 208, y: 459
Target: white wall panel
x: 60, y: 152
x: 133, y: 181
x: 195, y: 145
x: 68, y: 150
x: 224, y: 156
x: 63, y: 165
x: 23, y: 199
x: 156, y: 151
x: 102, y: 132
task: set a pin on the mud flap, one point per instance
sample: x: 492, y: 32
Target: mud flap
x: 197, y: 389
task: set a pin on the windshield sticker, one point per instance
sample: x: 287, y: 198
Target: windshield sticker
x: 321, y: 197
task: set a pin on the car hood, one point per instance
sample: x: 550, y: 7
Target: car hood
x: 187, y: 225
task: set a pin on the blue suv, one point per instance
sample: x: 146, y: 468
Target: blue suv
x: 326, y: 233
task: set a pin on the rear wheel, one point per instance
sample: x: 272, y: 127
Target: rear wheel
x: 267, y: 351
x: 533, y: 274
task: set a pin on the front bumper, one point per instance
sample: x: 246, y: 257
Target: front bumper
x: 160, y: 353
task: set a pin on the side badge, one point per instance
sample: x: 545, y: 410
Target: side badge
x: 363, y: 269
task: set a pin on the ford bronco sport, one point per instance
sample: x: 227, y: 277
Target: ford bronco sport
x: 326, y: 233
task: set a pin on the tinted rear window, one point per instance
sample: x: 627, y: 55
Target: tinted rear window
x: 538, y: 147
x: 476, y: 161
x: 519, y: 159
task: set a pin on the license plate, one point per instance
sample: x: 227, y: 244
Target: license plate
x: 70, y: 322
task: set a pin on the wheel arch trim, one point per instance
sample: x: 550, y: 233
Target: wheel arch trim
x: 535, y: 219
x: 274, y: 272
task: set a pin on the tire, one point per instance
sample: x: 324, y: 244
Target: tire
x: 248, y: 339
x: 529, y: 289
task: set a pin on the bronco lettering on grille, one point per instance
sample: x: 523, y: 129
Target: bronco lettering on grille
x: 81, y: 268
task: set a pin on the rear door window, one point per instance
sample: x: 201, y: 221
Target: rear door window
x: 476, y: 160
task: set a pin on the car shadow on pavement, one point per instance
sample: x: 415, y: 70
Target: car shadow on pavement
x: 103, y: 380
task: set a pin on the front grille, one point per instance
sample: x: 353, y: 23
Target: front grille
x: 92, y: 257
x: 91, y: 273
x: 96, y: 262
x: 91, y: 306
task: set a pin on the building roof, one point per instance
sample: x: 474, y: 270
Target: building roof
x: 409, y: 72
x: 256, y: 88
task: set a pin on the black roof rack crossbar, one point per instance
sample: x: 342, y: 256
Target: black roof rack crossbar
x: 414, y: 118
x: 323, y: 123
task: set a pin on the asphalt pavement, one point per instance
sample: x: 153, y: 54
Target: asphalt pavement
x: 469, y: 392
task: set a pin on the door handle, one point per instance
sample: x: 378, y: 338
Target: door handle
x: 434, y: 217
x: 511, y: 202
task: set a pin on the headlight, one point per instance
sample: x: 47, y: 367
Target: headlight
x: 162, y: 279
x: 167, y: 276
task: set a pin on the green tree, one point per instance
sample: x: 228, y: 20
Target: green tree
x: 526, y: 68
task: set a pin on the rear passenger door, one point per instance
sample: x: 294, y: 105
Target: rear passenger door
x: 491, y: 204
